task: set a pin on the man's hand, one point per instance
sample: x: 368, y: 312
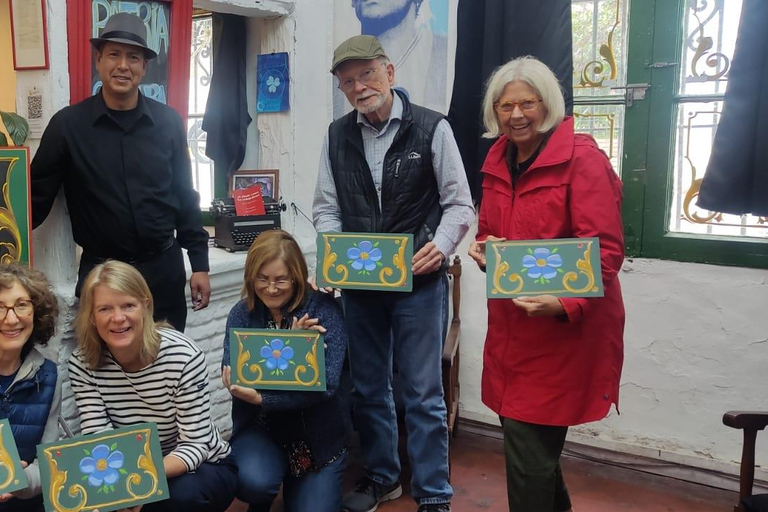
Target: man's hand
x: 427, y: 259
x: 200, y: 288
x: 477, y: 249
x: 540, y: 305
x: 245, y: 394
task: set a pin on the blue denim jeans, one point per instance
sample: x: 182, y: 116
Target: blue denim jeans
x: 263, y: 467
x: 404, y: 329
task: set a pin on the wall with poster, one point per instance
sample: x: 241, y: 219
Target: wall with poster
x: 156, y: 16
x: 419, y: 37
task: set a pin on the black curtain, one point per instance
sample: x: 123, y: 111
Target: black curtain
x: 226, y: 113
x: 490, y: 33
x: 736, y: 180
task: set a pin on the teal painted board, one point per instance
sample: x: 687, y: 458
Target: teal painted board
x: 365, y: 261
x: 12, y: 476
x: 284, y: 359
x: 108, y: 471
x: 564, y: 267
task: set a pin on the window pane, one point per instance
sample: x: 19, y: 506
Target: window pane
x: 606, y: 124
x: 201, y: 67
x: 599, y: 46
x: 710, y: 36
x: 696, y: 127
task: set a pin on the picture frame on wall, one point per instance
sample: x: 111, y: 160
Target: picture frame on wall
x: 268, y: 179
x: 28, y: 34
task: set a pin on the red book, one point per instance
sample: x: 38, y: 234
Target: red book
x: 248, y: 201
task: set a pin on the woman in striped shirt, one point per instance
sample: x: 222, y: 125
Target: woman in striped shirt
x: 127, y: 370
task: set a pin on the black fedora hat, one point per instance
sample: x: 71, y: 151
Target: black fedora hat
x: 125, y: 28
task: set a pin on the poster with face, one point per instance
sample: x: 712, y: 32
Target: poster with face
x: 419, y: 37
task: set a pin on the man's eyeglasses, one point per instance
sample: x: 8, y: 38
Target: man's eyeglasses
x: 280, y: 284
x: 525, y: 105
x: 22, y: 308
x: 364, y: 78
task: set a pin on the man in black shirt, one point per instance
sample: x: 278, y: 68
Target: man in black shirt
x: 124, y: 163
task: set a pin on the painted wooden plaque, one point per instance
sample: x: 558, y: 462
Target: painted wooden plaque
x: 277, y: 359
x: 565, y: 267
x: 15, y: 221
x: 365, y: 261
x: 108, y: 471
x: 12, y: 476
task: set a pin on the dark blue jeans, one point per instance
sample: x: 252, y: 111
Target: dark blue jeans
x: 404, y: 329
x: 210, y: 488
x: 263, y: 467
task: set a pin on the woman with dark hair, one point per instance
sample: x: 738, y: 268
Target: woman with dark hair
x: 549, y: 362
x: 128, y: 369
x: 30, y: 388
x: 294, y: 438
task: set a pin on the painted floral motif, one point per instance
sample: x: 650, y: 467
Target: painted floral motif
x: 365, y: 257
x: 541, y: 264
x: 277, y: 356
x: 102, y: 467
x: 273, y: 83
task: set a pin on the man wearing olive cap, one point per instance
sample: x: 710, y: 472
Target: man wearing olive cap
x: 124, y: 164
x: 393, y: 167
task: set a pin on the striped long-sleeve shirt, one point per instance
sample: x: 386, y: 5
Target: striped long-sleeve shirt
x: 171, y: 392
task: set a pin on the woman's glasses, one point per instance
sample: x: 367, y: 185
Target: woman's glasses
x: 21, y: 309
x: 280, y: 284
x: 525, y: 105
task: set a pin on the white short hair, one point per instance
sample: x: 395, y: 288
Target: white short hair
x: 536, y: 74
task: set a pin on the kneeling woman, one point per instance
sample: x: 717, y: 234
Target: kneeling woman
x: 127, y: 370
x: 30, y: 389
x: 294, y: 438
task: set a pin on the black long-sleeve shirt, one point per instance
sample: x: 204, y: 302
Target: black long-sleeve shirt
x: 127, y: 180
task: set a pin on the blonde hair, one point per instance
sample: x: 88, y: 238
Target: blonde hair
x: 121, y: 278
x: 534, y: 73
x: 269, y: 246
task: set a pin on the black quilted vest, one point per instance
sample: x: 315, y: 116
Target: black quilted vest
x: 410, y: 202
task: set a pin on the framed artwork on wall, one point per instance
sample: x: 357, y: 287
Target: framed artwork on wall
x: 169, y: 33
x: 267, y: 178
x: 28, y: 34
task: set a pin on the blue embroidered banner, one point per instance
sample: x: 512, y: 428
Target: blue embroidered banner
x: 273, y: 77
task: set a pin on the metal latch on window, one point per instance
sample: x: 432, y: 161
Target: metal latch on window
x: 633, y: 92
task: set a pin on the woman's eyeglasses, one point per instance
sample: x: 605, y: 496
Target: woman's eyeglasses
x: 280, y: 284
x: 22, y: 308
x: 525, y: 105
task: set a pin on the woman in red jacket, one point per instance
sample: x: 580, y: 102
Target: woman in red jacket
x: 549, y: 362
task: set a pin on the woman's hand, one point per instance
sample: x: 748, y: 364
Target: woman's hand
x: 307, y: 324
x: 477, y: 249
x: 540, y: 305
x: 245, y: 394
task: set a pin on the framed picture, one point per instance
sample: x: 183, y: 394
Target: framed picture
x: 268, y: 179
x: 15, y: 207
x: 28, y: 34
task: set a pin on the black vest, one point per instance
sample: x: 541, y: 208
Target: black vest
x: 410, y: 202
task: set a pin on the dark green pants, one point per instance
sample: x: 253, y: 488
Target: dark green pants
x: 534, y: 478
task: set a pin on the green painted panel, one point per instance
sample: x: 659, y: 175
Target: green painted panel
x: 566, y: 267
x: 15, y: 224
x: 365, y: 261
x: 108, y: 471
x: 277, y: 359
x: 12, y: 476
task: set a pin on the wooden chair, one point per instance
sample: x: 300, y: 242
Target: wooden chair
x: 451, y: 385
x: 750, y: 423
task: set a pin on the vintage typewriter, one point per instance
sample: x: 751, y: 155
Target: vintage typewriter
x: 235, y: 233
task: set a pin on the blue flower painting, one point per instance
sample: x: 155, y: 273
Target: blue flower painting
x: 277, y: 356
x: 542, y: 264
x: 273, y: 77
x: 365, y: 257
x: 102, y: 467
